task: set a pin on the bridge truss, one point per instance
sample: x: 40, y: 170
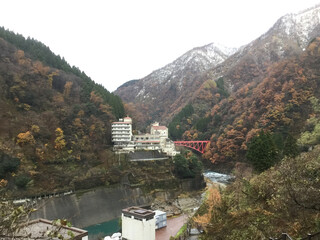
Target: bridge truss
x: 199, y: 146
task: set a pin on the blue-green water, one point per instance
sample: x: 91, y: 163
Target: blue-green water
x: 101, y: 230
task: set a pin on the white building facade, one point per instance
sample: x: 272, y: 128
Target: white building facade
x: 161, y: 131
x: 147, y: 142
x: 157, y: 139
x: 138, y: 224
x: 161, y: 219
x: 122, y: 132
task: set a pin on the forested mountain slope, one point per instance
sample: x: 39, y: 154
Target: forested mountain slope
x: 254, y: 88
x: 280, y: 103
x: 54, y: 121
x: 165, y: 91
x: 163, y: 94
x: 277, y: 123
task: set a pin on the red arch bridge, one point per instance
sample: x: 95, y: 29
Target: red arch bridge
x: 199, y: 146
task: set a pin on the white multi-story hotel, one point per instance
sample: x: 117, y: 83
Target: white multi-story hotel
x: 157, y: 139
x: 122, y: 131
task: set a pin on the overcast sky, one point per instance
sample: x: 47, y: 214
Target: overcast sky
x: 114, y: 41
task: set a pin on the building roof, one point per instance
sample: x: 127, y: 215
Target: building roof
x: 159, y: 127
x: 145, y: 135
x: 126, y: 120
x: 139, y: 213
x: 39, y: 227
x: 159, y: 212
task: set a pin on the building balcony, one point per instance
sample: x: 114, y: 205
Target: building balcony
x: 118, y: 128
x: 120, y: 132
x: 120, y: 140
x: 121, y: 125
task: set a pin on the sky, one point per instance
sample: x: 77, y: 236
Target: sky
x: 114, y: 41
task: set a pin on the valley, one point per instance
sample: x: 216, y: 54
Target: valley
x: 252, y: 112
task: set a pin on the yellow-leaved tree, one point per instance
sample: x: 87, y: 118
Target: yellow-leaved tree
x: 213, y: 200
x: 25, y: 138
x: 60, y: 143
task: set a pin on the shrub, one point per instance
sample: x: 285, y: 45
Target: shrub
x: 22, y: 181
x: 8, y: 164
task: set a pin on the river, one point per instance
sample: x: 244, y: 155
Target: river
x: 101, y: 230
x: 218, y: 177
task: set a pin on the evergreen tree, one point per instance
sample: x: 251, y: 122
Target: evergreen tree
x: 187, y: 168
x: 195, y: 166
x: 290, y: 147
x: 262, y: 152
x: 8, y: 164
x: 176, y: 126
x: 181, y: 167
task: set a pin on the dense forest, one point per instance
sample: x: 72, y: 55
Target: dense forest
x: 272, y: 128
x: 55, y: 135
x: 279, y: 104
x: 54, y: 121
x: 37, y: 51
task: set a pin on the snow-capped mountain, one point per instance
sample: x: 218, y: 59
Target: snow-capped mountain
x: 193, y: 62
x: 302, y: 26
x: 289, y: 36
x: 163, y: 87
x: 165, y: 90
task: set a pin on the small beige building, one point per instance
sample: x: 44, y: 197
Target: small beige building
x: 138, y: 224
x: 161, y: 131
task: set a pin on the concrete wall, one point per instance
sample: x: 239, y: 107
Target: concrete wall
x: 91, y: 207
x: 104, y: 204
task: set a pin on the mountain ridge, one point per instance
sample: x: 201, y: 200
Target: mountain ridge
x: 308, y: 17
x: 172, y: 80
x: 52, y: 124
x: 217, y: 94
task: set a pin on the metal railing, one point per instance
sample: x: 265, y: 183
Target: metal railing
x: 315, y: 236
x: 285, y: 236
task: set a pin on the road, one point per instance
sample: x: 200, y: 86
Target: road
x: 173, y: 226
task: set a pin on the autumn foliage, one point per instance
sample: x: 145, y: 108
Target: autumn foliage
x: 279, y: 103
x: 53, y: 117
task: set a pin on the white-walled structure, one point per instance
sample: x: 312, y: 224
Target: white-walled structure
x: 157, y: 139
x: 161, y: 131
x: 122, y: 132
x: 138, y: 224
x: 161, y: 219
x: 147, y: 142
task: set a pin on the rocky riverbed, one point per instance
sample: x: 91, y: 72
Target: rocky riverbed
x: 188, y: 203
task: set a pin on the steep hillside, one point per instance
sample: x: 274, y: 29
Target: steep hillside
x: 164, y: 93
x: 54, y: 125
x: 289, y: 36
x: 167, y: 90
x: 283, y: 199
x: 279, y: 103
x: 256, y: 88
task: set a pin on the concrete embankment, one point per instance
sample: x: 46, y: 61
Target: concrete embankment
x: 104, y: 204
x: 92, y: 207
